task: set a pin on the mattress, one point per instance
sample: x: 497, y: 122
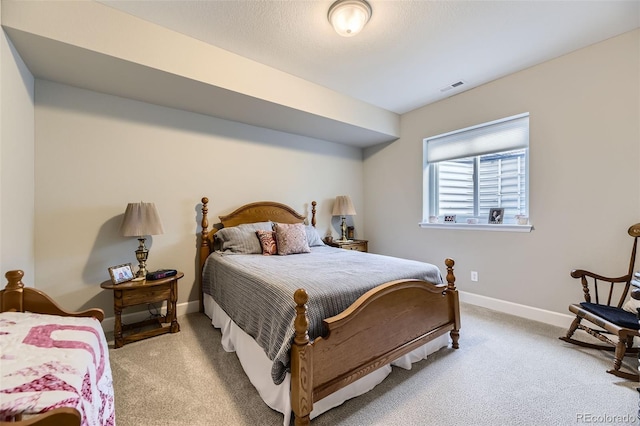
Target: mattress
x: 256, y: 291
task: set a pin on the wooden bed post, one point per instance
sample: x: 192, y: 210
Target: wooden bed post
x: 301, y: 363
x: 313, y: 213
x: 451, y: 278
x: 205, y: 250
x: 451, y: 289
x: 12, y: 296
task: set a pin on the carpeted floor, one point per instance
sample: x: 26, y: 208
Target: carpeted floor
x: 508, y: 371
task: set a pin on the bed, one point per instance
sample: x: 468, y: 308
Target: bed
x: 318, y: 348
x: 54, y: 363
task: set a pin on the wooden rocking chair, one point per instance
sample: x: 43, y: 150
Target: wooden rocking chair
x: 607, y: 313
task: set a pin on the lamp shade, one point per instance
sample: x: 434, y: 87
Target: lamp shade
x: 141, y: 219
x: 348, y: 17
x: 343, y: 206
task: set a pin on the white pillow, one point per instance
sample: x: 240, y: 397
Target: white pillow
x: 313, y: 238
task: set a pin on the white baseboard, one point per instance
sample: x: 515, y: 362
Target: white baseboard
x: 181, y: 309
x: 524, y: 311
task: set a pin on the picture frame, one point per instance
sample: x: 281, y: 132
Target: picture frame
x: 121, y: 273
x: 496, y: 215
x: 450, y: 218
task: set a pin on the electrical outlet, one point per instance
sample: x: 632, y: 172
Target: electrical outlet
x: 474, y: 275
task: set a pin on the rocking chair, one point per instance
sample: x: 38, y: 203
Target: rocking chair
x: 607, y: 313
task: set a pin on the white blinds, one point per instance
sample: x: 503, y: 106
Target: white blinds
x: 496, y: 136
x: 500, y: 182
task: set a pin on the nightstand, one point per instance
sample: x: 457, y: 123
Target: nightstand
x: 134, y: 293
x: 359, y: 245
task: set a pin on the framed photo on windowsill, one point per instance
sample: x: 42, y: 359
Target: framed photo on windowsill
x: 121, y: 273
x: 496, y: 215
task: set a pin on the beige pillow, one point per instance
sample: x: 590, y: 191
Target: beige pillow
x: 291, y: 238
x: 631, y: 305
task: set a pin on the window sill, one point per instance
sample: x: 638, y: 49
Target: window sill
x: 479, y: 227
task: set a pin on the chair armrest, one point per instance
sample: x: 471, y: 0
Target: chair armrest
x: 584, y: 280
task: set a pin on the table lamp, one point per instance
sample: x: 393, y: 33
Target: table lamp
x: 141, y: 219
x: 343, y: 207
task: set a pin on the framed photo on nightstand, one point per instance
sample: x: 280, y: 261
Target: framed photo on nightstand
x: 121, y: 273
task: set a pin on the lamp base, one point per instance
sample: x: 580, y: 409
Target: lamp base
x: 343, y: 227
x: 142, y: 253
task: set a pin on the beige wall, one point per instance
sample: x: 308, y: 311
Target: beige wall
x: 16, y: 164
x: 95, y: 153
x: 584, y: 178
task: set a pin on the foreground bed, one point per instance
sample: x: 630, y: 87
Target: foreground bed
x: 383, y: 322
x: 55, y: 364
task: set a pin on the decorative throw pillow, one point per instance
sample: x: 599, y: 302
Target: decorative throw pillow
x: 313, y: 238
x: 242, y: 238
x: 291, y: 238
x: 268, y: 242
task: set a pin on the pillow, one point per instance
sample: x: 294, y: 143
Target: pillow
x: 268, y: 242
x: 242, y: 238
x: 631, y: 305
x: 291, y: 238
x: 313, y: 238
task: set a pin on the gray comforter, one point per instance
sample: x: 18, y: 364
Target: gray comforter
x: 256, y: 291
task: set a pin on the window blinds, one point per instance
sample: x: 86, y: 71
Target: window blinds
x: 500, y: 182
x: 497, y: 136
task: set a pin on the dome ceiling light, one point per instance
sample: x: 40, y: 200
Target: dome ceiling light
x: 348, y: 17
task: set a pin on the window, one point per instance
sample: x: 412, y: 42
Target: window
x: 467, y: 172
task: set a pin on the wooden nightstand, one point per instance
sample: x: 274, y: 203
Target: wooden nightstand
x: 142, y: 292
x: 359, y: 245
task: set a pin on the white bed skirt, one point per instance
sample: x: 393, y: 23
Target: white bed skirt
x: 257, y: 366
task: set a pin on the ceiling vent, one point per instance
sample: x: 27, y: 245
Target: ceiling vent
x: 453, y: 86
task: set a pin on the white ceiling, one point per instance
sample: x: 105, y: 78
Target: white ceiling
x: 410, y: 49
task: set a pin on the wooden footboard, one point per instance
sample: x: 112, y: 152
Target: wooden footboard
x: 66, y: 416
x: 385, y: 323
x: 17, y: 298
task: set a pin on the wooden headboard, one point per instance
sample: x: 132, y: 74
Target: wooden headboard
x: 260, y: 211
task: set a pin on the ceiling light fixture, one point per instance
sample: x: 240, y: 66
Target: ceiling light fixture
x: 348, y: 17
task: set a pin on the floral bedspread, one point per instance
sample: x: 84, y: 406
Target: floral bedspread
x: 49, y: 361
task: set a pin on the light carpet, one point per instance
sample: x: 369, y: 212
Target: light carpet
x: 508, y: 371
